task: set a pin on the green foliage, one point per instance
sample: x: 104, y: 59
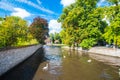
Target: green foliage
x: 39, y: 29
x: 1, y: 19
x: 55, y: 37
x: 88, y: 43
x: 81, y: 22
x: 52, y: 37
x: 23, y: 43
x: 11, y: 29
x: 112, y: 31
x: 116, y: 2
x: 14, y: 32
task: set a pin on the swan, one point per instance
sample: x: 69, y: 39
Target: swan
x: 89, y: 60
x: 64, y: 56
x: 45, y: 68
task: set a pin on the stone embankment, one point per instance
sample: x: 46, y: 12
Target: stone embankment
x: 106, y: 51
x: 102, y: 51
x: 11, y: 58
x: 109, y: 56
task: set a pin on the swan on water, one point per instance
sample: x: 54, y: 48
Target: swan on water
x: 64, y: 56
x: 89, y: 60
x: 45, y: 68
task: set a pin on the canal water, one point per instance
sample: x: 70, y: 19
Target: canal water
x: 64, y: 64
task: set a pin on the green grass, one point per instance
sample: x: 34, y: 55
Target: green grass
x: 25, y: 43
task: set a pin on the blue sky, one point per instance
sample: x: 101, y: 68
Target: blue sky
x: 29, y: 9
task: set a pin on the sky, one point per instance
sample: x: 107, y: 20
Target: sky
x: 29, y: 9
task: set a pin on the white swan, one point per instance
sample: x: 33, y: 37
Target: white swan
x: 64, y: 56
x: 45, y: 68
x: 89, y: 60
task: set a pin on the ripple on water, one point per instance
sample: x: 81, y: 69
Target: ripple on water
x: 75, y: 67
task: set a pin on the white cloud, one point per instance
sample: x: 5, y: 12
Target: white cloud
x: 20, y: 12
x: 54, y: 26
x: 6, y: 6
x: 67, y: 2
x: 35, y: 6
x: 39, y: 2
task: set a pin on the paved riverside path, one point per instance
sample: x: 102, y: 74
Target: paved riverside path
x: 101, y: 50
x: 106, y: 51
x: 26, y: 69
x: 12, y: 57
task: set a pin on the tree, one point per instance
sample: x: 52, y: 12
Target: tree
x: 81, y: 22
x: 11, y: 30
x: 116, y: 2
x: 88, y: 43
x: 1, y: 19
x: 52, y: 37
x: 112, y: 31
x: 39, y: 29
x: 55, y: 37
x: 65, y: 37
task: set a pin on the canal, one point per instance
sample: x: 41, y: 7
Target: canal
x: 56, y: 63
x: 62, y: 64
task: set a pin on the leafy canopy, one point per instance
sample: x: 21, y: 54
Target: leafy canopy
x: 39, y: 29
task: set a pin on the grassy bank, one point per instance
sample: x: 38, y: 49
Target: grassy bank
x: 20, y: 44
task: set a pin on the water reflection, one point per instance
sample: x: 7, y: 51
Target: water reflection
x: 119, y: 72
x: 73, y: 65
x: 105, y: 76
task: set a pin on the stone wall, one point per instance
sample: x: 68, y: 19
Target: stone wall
x: 10, y: 58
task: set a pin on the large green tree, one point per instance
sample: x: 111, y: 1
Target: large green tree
x: 11, y: 30
x: 112, y: 31
x: 39, y: 29
x: 81, y: 22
